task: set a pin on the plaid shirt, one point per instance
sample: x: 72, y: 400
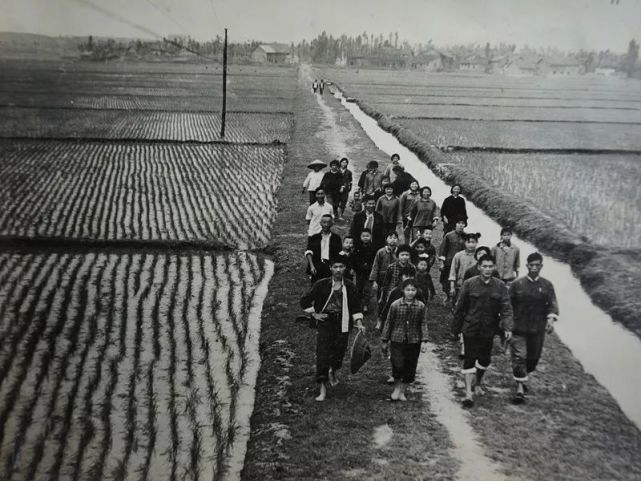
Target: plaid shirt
x: 393, y: 276
x: 406, y: 322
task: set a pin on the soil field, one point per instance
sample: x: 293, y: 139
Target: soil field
x: 148, y: 125
x: 525, y: 135
x: 125, y: 366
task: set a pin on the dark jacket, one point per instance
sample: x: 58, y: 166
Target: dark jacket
x: 314, y: 247
x: 481, y: 308
x: 318, y: 295
x: 347, y: 180
x: 332, y: 182
x: 474, y: 271
x: 451, y: 244
x: 454, y: 209
x: 378, y: 231
x: 532, y: 302
x: 402, y: 183
x: 364, y: 259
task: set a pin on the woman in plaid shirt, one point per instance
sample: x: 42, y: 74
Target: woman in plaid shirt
x: 406, y: 328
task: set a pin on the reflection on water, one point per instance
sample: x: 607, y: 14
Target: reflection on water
x: 608, y: 351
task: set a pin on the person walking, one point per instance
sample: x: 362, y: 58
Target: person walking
x: 371, y: 181
x: 322, y: 249
x: 389, y: 172
x: 462, y: 261
x: 346, y: 188
x: 332, y: 183
x: 424, y: 212
x: 383, y: 259
x: 317, y: 210
x: 474, y: 270
x: 402, y: 181
x: 371, y: 220
x: 390, y: 209
x: 334, y: 304
x: 407, y: 200
x: 321, y: 86
x: 314, y: 179
x: 452, y: 243
x: 535, y: 312
x: 406, y: 330
x: 315, y: 85
x: 482, y: 307
x: 364, y: 255
x: 453, y: 208
x: 507, y: 256
x: 393, y: 275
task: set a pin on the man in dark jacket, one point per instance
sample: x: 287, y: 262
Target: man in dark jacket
x: 402, y: 181
x: 322, y: 249
x: 368, y: 219
x: 332, y: 183
x: 535, y: 312
x: 483, y: 305
x: 364, y: 256
x: 334, y: 303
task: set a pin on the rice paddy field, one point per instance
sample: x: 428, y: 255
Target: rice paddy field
x: 568, y: 145
x: 125, y: 355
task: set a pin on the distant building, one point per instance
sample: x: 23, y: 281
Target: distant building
x: 428, y: 61
x: 606, y: 70
x: 565, y: 67
x: 387, y: 57
x: 277, y: 53
x: 474, y: 63
x: 523, y: 66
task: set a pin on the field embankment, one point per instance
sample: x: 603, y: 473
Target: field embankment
x: 609, y: 275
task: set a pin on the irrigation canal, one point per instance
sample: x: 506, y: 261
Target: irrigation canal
x: 606, y: 350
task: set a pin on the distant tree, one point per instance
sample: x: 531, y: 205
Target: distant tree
x: 630, y: 63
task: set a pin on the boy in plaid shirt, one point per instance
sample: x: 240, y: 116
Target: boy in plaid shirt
x: 406, y: 328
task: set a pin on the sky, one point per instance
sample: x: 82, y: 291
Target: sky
x: 565, y: 24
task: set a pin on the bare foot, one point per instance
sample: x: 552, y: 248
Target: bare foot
x: 323, y: 393
x: 390, y: 380
x: 479, y: 390
x: 401, y: 397
x: 396, y: 393
x: 333, y: 379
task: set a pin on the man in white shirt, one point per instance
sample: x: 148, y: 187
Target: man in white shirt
x: 317, y: 210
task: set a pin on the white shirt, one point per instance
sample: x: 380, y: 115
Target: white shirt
x: 313, y: 180
x: 368, y: 216
x: 325, y: 246
x: 314, y: 214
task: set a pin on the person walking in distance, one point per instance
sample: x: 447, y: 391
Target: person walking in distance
x: 453, y: 208
x: 371, y: 181
x: 482, y: 306
x: 407, y: 200
x: 507, y: 256
x: 314, y: 179
x: 395, y: 162
x: 322, y: 249
x: 535, y: 312
x: 371, y: 220
x: 315, y: 85
x: 334, y: 304
x: 390, y: 209
x: 346, y: 188
x: 332, y: 183
x: 321, y: 86
x: 406, y: 330
x: 317, y: 210
x: 452, y: 243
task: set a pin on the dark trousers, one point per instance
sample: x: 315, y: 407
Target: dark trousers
x: 526, y: 351
x: 312, y: 197
x: 404, y: 360
x: 331, y: 345
x: 333, y: 198
x: 322, y: 271
x: 343, y: 198
x: 444, y: 278
x: 478, y: 352
x: 389, y: 228
x: 364, y: 288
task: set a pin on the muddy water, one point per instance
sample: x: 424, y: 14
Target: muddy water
x: 605, y: 349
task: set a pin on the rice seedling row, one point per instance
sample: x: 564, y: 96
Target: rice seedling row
x: 126, y: 124
x: 139, y: 191
x: 112, y: 344
x: 525, y: 135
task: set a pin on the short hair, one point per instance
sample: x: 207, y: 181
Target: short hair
x: 403, y: 248
x: 395, y: 156
x: 366, y: 231
x: 327, y: 215
x: 506, y: 230
x: 369, y: 197
x: 389, y: 186
x: 319, y: 188
x: 424, y: 188
x: 420, y: 241
x: 385, y: 178
x: 427, y: 227
x: 345, y: 159
x: 535, y: 256
x: 472, y: 236
x: 408, y: 282
x: 461, y: 219
x: 347, y: 237
x: 455, y: 185
x: 485, y: 249
x: 406, y: 271
x: 398, y: 168
x: 335, y: 162
x: 340, y: 259
x: 372, y: 164
x: 391, y: 234
x: 486, y: 258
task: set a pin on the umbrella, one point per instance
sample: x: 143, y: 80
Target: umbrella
x: 361, y: 352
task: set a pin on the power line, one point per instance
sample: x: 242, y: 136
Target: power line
x: 118, y: 17
x: 166, y: 12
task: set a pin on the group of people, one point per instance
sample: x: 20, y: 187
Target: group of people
x: 318, y: 86
x: 384, y: 265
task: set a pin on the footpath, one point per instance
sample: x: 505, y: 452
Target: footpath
x: 569, y: 429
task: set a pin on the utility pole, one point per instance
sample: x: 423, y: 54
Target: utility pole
x: 222, y: 124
